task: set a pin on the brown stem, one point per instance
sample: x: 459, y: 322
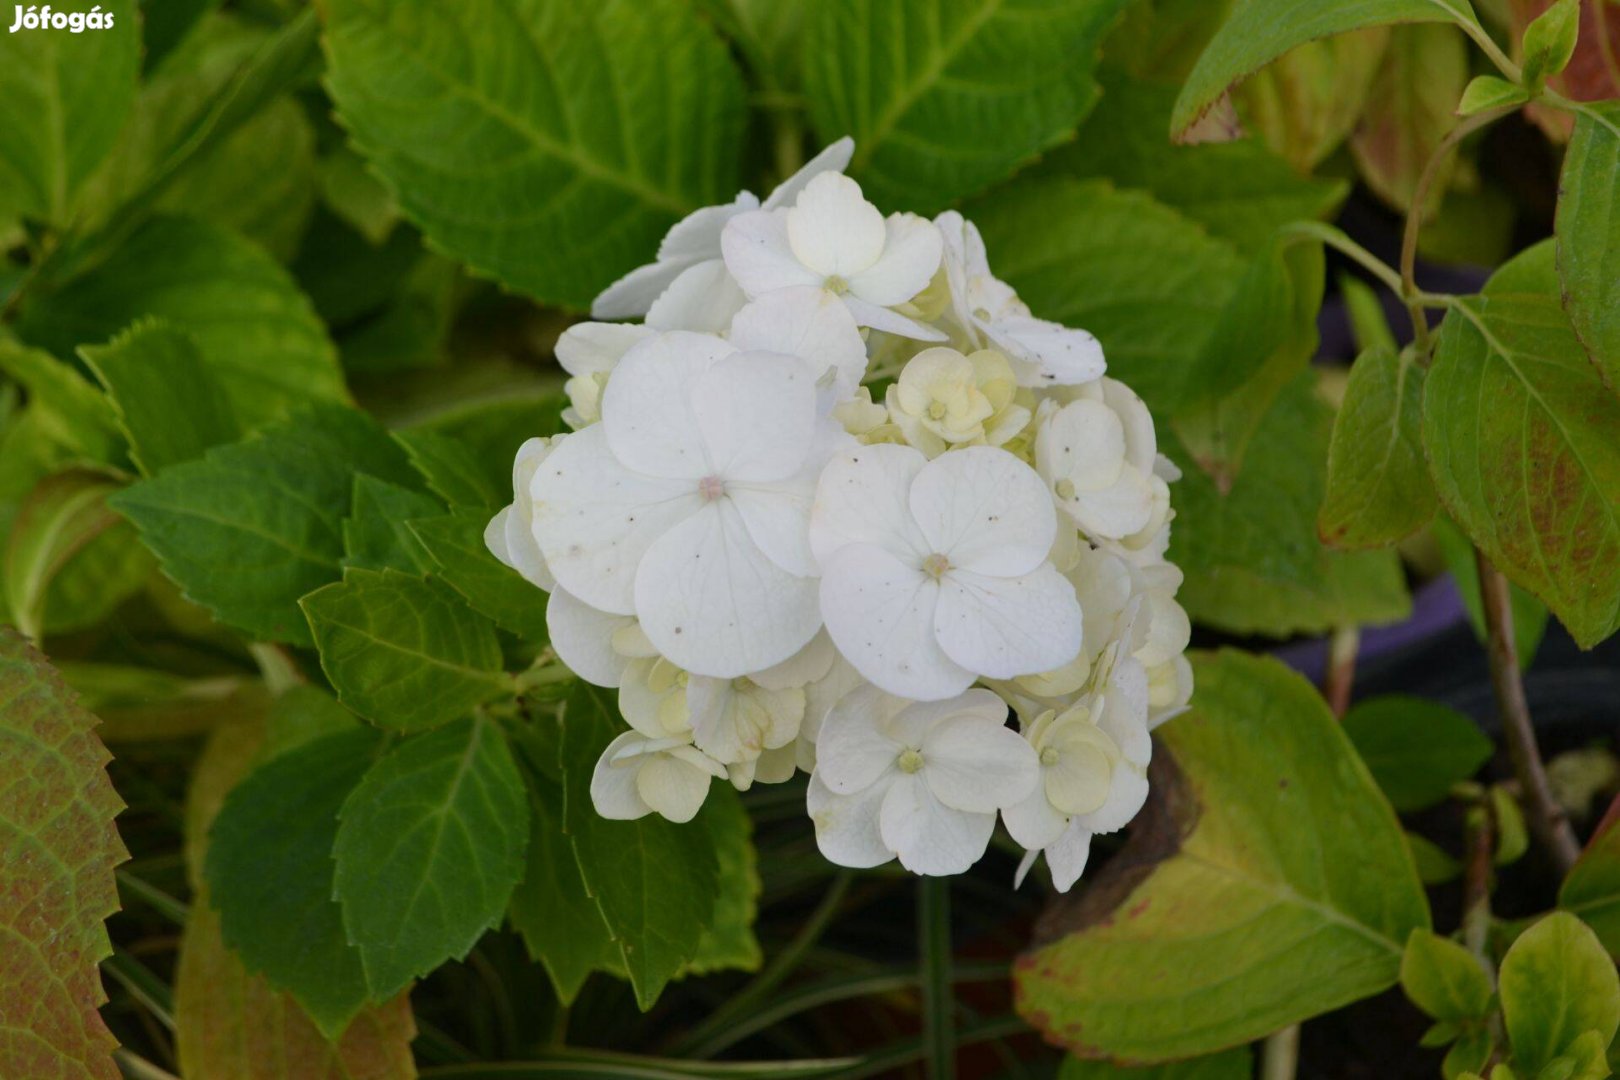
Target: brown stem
x: 1548, y: 820
x: 1476, y: 915
x: 1600, y: 10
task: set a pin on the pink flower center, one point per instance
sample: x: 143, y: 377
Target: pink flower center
x: 711, y: 488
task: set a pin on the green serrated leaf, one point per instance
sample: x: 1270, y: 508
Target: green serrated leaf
x: 946, y: 97
x: 728, y: 942
x: 554, y: 97
x: 1252, y: 558
x: 1149, y: 283
x: 67, y: 94
x: 562, y: 926
x: 69, y: 559
x: 1378, y: 486
x: 656, y: 883
x: 63, y: 405
x: 1557, y: 984
x: 404, y: 652
x: 1490, y: 92
x: 458, y: 556
x: 1259, y: 31
x: 1589, y: 235
x: 1592, y: 888
x: 170, y: 404
x: 58, y: 847
x: 1234, y: 1064
x: 1240, y: 191
x: 1519, y: 432
x: 429, y: 847
x: 254, y: 525
x: 270, y: 872
x: 1444, y: 979
x: 375, y: 534
x: 452, y: 472
x: 255, y: 330
x: 1409, y: 110
x: 1273, y: 885
x: 1415, y: 749
x: 1549, y: 41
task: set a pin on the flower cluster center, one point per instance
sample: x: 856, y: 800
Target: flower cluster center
x: 910, y: 761
x: 711, y: 488
x: 936, y: 565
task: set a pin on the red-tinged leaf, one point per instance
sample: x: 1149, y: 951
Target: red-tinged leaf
x: 58, y: 848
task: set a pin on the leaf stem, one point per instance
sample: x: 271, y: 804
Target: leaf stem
x: 1476, y: 914
x: 1336, y: 239
x: 1280, y: 1058
x: 135, y: 1067
x: 1414, y: 215
x: 1547, y: 818
x: 934, y: 949
x: 1341, y: 671
x: 712, y: 1035
x: 1487, y: 45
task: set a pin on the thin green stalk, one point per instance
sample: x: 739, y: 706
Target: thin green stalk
x: 135, y: 1067
x: 1334, y: 238
x: 1280, y: 1058
x: 701, y: 1040
x: 934, y: 948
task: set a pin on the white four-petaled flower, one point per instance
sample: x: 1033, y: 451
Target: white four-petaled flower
x: 935, y: 573
x: 921, y: 781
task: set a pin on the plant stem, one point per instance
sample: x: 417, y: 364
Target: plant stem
x: 1476, y: 915
x: 1487, y: 44
x: 135, y: 1067
x: 710, y: 1036
x: 1414, y: 216
x: 934, y: 949
x: 1280, y: 1058
x: 1547, y: 819
x: 1341, y: 671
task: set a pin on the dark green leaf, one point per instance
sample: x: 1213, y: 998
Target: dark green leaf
x: 1435, y: 866
x: 728, y: 940
x: 270, y: 873
x: 1592, y: 889
x: 1415, y: 749
x: 1549, y: 41
x: 1268, y: 883
x: 170, y: 405
x: 945, y: 97
x: 255, y: 525
x: 428, y: 850
x: 375, y: 534
x: 598, y: 125
x: 1378, y: 486
x: 255, y: 330
x: 655, y: 882
x: 1240, y: 191
x: 1520, y: 437
x: 404, y: 652
x: 1259, y: 31
x: 63, y: 404
x: 457, y: 555
x: 1236, y: 1064
x: 451, y: 471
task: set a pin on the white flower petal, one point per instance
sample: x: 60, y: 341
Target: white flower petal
x: 757, y: 414
x: 847, y: 830
x: 673, y: 787
x: 928, y: 836
x: 881, y: 614
x: 613, y: 786
x: 758, y: 254
x: 703, y: 298
x: 911, y: 254
x: 648, y: 407
x: 971, y: 764
x: 1005, y: 627
x: 633, y: 294
x: 1066, y: 856
x: 890, y: 322
x: 833, y: 230
x: 820, y: 697
x: 714, y: 604
x: 495, y: 536
x: 862, y: 498
x: 697, y: 235
x: 853, y: 749
x: 1033, y: 821
x: 1047, y: 353
x: 809, y: 323
x: 1126, y: 796
x: 583, y: 638
x: 807, y: 665
x: 1084, y: 443
x: 984, y: 509
x: 1117, y: 511
x: 590, y: 348
x: 594, y: 519
x: 651, y: 699
x: 835, y: 158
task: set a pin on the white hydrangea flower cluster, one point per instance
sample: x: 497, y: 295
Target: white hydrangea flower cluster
x: 782, y: 567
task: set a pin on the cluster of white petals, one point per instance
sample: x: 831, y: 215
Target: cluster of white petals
x: 841, y: 504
